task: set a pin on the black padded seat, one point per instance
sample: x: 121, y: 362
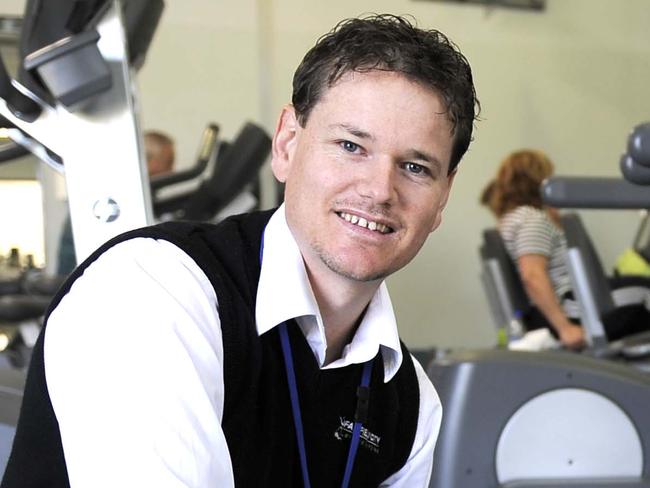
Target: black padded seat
x: 17, y: 308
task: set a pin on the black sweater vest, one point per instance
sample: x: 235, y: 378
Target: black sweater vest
x: 257, y: 419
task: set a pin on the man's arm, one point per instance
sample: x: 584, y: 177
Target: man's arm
x: 133, y: 362
x: 534, y: 274
x: 416, y: 473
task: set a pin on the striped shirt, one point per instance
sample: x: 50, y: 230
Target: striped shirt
x: 528, y: 230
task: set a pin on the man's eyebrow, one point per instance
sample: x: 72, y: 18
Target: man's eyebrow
x: 355, y: 131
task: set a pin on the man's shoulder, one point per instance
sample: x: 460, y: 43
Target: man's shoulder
x: 416, y: 370
x: 256, y: 219
x: 427, y: 390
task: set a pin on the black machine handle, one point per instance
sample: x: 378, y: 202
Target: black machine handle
x: 238, y: 165
x: 206, y: 150
x: 20, y: 105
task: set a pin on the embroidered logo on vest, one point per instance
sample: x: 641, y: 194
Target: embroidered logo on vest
x: 367, y: 439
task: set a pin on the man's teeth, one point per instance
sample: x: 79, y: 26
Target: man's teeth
x: 361, y: 222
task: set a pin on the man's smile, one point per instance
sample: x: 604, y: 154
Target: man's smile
x: 365, y: 223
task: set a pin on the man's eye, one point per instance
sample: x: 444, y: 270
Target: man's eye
x: 349, y: 146
x: 414, y: 168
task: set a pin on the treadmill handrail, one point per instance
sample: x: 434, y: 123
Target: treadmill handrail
x: 206, y: 151
x: 589, y: 316
x: 237, y: 166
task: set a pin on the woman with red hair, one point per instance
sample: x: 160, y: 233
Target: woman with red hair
x: 536, y: 243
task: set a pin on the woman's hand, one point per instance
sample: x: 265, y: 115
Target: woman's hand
x: 572, y: 336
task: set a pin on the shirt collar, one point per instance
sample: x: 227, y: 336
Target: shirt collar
x: 284, y: 293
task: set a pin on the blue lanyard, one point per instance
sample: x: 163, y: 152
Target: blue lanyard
x: 360, y: 414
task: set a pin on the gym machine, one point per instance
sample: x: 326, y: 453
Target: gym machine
x: 591, y: 289
x: 516, y: 419
x: 73, y: 105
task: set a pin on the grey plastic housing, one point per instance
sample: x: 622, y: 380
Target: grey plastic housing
x: 481, y: 390
x: 72, y: 68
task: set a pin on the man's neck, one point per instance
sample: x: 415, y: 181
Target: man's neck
x: 342, y: 303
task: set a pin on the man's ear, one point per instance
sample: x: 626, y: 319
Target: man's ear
x: 284, y: 143
x: 443, y: 201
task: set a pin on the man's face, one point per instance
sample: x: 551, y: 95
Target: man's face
x: 366, y: 178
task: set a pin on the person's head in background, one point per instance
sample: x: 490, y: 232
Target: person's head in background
x: 518, y: 182
x: 159, y: 151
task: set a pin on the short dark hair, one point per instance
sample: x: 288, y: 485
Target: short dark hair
x: 391, y: 43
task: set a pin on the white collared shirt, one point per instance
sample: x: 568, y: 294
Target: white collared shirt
x: 134, y: 364
x: 274, y: 305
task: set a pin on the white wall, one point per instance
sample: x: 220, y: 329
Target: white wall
x: 202, y: 67
x: 571, y: 80
x: 12, y: 7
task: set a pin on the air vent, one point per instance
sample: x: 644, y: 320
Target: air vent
x: 537, y: 5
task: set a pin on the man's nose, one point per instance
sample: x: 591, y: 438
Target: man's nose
x: 379, y: 182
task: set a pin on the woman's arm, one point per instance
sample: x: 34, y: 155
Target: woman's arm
x: 533, y: 271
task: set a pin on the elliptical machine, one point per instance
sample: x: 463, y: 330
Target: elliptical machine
x: 547, y: 419
x: 74, y: 97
